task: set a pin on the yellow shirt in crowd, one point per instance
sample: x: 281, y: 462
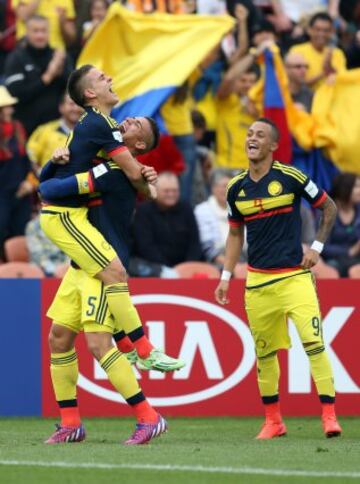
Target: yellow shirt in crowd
x: 233, y: 122
x: 315, y: 59
x: 44, y: 140
x: 48, y: 9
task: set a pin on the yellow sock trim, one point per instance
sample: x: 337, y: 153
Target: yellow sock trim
x: 120, y: 373
x: 64, y: 372
x: 121, y: 307
x: 268, y: 374
x: 322, y: 374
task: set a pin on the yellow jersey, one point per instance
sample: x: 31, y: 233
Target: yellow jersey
x: 44, y: 140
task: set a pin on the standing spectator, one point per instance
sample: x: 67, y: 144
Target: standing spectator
x: 342, y: 249
x: 15, y: 188
x: 98, y: 9
x: 165, y: 230
x: 150, y: 6
x: 49, y: 136
x: 204, y: 160
x: 60, y: 14
x: 296, y: 69
x: 7, y: 31
x: 321, y: 56
x: 36, y: 74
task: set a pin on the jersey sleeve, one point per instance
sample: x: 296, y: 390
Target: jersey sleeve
x: 234, y: 216
x: 307, y: 188
x: 107, y: 136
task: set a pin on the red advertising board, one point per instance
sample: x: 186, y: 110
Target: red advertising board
x: 182, y: 317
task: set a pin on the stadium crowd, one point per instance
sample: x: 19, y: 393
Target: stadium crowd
x: 206, y: 120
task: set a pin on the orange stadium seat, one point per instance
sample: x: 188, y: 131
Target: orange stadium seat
x: 16, y: 249
x: 191, y: 270
x: 61, y: 270
x: 324, y: 271
x: 20, y: 270
x: 354, y: 272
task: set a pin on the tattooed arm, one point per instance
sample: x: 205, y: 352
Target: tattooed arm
x: 329, y: 210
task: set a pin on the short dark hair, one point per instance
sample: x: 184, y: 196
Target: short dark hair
x: 342, y: 187
x: 75, y: 85
x: 198, y: 119
x: 275, y: 133
x: 320, y: 16
x: 155, y: 132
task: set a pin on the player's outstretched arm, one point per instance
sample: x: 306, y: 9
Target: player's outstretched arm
x: 329, y: 211
x: 130, y: 166
x: 234, y: 243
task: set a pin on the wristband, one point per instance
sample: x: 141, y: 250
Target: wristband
x: 225, y: 276
x: 318, y: 246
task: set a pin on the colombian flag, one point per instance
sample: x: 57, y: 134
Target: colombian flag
x: 149, y: 56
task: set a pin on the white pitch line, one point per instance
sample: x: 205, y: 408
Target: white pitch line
x: 185, y: 468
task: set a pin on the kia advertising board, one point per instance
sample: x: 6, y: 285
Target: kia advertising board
x: 182, y: 317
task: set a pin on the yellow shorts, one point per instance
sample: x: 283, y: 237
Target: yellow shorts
x: 269, y: 304
x: 70, y: 230
x: 80, y: 304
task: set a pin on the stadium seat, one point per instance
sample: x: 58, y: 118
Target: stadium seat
x: 61, y: 270
x: 20, y: 270
x: 197, y: 270
x: 324, y: 271
x: 354, y: 272
x: 240, y: 271
x: 16, y: 249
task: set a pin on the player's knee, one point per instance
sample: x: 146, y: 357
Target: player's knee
x: 115, y: 272
x: 98, y: 344
x: 60, y: 339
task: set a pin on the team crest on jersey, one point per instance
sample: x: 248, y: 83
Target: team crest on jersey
x: 242, y: 193
x: 275, y: 188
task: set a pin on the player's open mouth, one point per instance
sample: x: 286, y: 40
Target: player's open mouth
x: 252, y: 147
x: 122, y: 128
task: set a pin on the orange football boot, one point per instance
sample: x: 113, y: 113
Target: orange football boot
x: 330, y: 424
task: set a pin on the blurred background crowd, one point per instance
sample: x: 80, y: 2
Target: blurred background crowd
x: 206, y: 121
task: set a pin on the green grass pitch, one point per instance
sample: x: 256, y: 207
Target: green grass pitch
x: 206, y: 450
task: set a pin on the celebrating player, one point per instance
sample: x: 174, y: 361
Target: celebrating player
x: 267, y: 198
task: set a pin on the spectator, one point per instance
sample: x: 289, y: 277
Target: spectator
x: 60, y: 14
x: 211, y: 7
x: 150, y: 6
x: 16, y: 186
x: 234, y: 114
x: 36, y: 74
x: 7, y: 31
x: 342, y: 249
x: 98, y: 9
x: 321, y: 56
x: 296, y: 68
x: 212, y: 219
x: 42, y: 251
x: 353, y: 52
x: 165, y: 230
x: 204, y: 160
x: 49, y: 136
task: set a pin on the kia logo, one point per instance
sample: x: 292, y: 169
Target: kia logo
x: 224, y: 316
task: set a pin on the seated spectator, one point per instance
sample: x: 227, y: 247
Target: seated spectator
x: 49, y: 136
x: 60, y: 15
x: 296, y: 69
x: 7, y: 32
x: 16, y: 185
x: 165, y: 230
x: 323, y: 58
x: 98, y: 10
x: 212, y: 219
x: 37, y: 74
x: 342, y: 249
x: 42, y: 251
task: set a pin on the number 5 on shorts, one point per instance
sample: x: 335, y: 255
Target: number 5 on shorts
x: 91, y: 303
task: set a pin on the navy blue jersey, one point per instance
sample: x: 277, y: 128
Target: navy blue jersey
x: 270, y: 209
x: 95, y: 137
x: 112, y: 214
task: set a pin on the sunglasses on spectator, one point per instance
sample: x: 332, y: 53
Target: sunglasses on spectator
x: 298, y: 66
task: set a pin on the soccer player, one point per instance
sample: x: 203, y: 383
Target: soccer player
x: 267, y: 198
x: 96, y: 136
x: 80, y: 303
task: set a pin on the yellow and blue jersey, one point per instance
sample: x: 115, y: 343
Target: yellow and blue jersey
x: 270, y: 209
x: 95, y: 137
